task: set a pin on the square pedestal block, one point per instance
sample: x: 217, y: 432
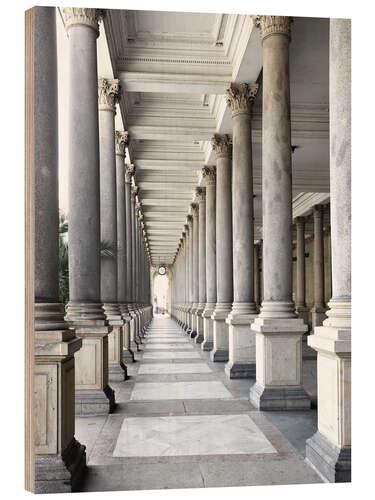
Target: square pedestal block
x: 220, y: 350
x: 241, y: 362
x: 279, y: 365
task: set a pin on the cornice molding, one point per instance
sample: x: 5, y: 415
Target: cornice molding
x: 109, y: 91
x: 240, y: 97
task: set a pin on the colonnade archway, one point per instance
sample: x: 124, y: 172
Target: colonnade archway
x: 231, y: 179
x: 161, y: 292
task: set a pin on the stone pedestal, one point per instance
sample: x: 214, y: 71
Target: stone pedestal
x: 208, y: 328
x: 60, y: 460
x: 220, y: 349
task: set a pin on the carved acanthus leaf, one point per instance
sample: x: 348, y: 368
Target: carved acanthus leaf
x: 121, y: 140
x: 209, y: 173
x: 77, y: 15
x: 273, y: 25
x: 222, y: 145
x: 129, y: 172
x: 108, y: 93
x: 240, y: 97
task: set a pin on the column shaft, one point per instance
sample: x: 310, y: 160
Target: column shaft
x: 55, y: 344
x: 318, y: 312
x: 85, y: 311
x: 224, y: 254
x: 329, y: 450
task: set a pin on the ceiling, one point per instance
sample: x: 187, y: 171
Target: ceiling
x: 174, y: 69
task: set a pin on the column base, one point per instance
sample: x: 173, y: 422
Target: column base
x: 279, y: 398
x: 240, y: 370
x: 192, y: 334
x: 241, y: 344
x: 219, y: 355
x: 199, y: 338
x: 317, y: 317
x: 61, y: 474
x: 207, y: 345
x: 95, y: 402
x: 128, y: 356
x: 117, y: 372
x: 333, y: 463
x: 134, y: 346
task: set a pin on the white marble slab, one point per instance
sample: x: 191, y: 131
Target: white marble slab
x: 179, y: 390
x: 171, y: 355
x: 171, y: 347
x: 190, y: 435
x: 173, y: 368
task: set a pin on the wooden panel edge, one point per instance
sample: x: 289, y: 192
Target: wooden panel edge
x: 29, y: 248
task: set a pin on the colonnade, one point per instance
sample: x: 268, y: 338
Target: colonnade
x: 266, y: 342
x: 78, y: 352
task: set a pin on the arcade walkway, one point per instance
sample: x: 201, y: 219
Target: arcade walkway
x: 181, y: 423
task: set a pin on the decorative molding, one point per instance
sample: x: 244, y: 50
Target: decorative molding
x: 209, y: 173
x: 159, y: 60
x: 129, y: 172
x: 109, y: 92
x: 273, y: 25
x: 240, y: 97
x: 222, y: 145
x: 121, y: 141
x: 88, y: 17
x: 189, y: 220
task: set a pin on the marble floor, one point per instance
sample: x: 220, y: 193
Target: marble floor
x: 180, y: 423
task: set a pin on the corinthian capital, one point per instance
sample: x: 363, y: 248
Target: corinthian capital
x: 240, y: 97
x: 108, y: 94
x: 200, y: 194
x: 209, y: 173
x: 129, y: 172
x: 121, y: 139
x: 73, y: 16
x: 134, y: 192
x: 222, y: 145
x: 273, y: 25
x: 194, y: 209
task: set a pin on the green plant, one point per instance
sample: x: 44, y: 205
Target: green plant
x: 108, y: 249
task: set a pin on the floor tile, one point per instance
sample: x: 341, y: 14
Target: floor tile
x: 180, y: 390
x: 190, y: 435
x: 171, y: 355
x: 172, y: 368
x: 172, y: 347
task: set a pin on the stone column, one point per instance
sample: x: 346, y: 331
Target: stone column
x: 121, y: 140
x: 60, y: 460
x: 301, y: 309
x: 209, y: 174
x: 278, y: 331
x: 85, y: 311
x: 319, y: 309
x: 195, y: 269
x: 108, y: 94
x: 222, y: 145
x: 132, y: 303
x: 201, y: 200
x: 329, y: 450
x: 241, y: 364
x: 187, y: 253
x: 191, y: 272
x: 256, y: 277
x: 129, y: 173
